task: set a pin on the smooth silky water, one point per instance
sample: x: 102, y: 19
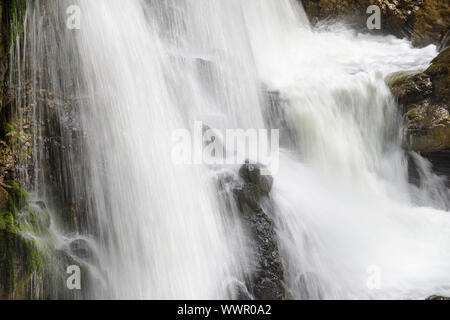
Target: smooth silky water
x: 345, y: 212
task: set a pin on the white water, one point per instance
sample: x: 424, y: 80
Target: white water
x: 343, y: 204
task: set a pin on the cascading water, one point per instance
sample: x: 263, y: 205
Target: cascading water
x: 139, y: 70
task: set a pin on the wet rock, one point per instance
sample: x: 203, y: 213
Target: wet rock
x: 432, y: 23
x: 425, y: 97
x: 248, y: 197
x: 81, y: 249
x: 409, y: 88
x: 62, y: 260
x: 25, y: 247
x: 397, y: 17
x: 251, y: 173
x: 252, y: 197
x: 428, y: 128
x: 350, y: 11
x: 269, y: 276
x: 423, y: 21
x: 435, y: 297
x: 440, y: 162
x: 440, y: 77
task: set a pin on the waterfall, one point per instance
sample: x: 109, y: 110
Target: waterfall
x: 138, y: 70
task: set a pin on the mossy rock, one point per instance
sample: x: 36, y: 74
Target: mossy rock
x: 7, y: 222
x: 25, y: 245
x: 21, y: 260
x: 253, y: 200
x: 248, y: 197
x: 252, y: 173
x: 18, y: 197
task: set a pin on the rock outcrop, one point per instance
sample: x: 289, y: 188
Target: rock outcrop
x: 432, y: 24
x: 423, y: 21
x: 428, y: 128
x: 424, y: 97
x: 409, y: 88
x: 253, y: 201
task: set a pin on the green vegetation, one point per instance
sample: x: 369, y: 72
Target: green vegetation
x: 25, y: 239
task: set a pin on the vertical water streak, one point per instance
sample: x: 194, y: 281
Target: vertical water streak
x: 138, y: 70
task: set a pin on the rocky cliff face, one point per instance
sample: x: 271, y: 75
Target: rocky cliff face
x: 423, y: 21
x: 432, y: 23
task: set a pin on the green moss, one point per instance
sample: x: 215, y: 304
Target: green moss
x: 246, y: 209
x: 18, y: 197
x: 29, y: 223
x: 25, y: 245
x: 257, y: 189
x: 34, y: 221
x: 8, y: 127
x: 11, y: 132
x: 7, y: 222
x: 33, y: 262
